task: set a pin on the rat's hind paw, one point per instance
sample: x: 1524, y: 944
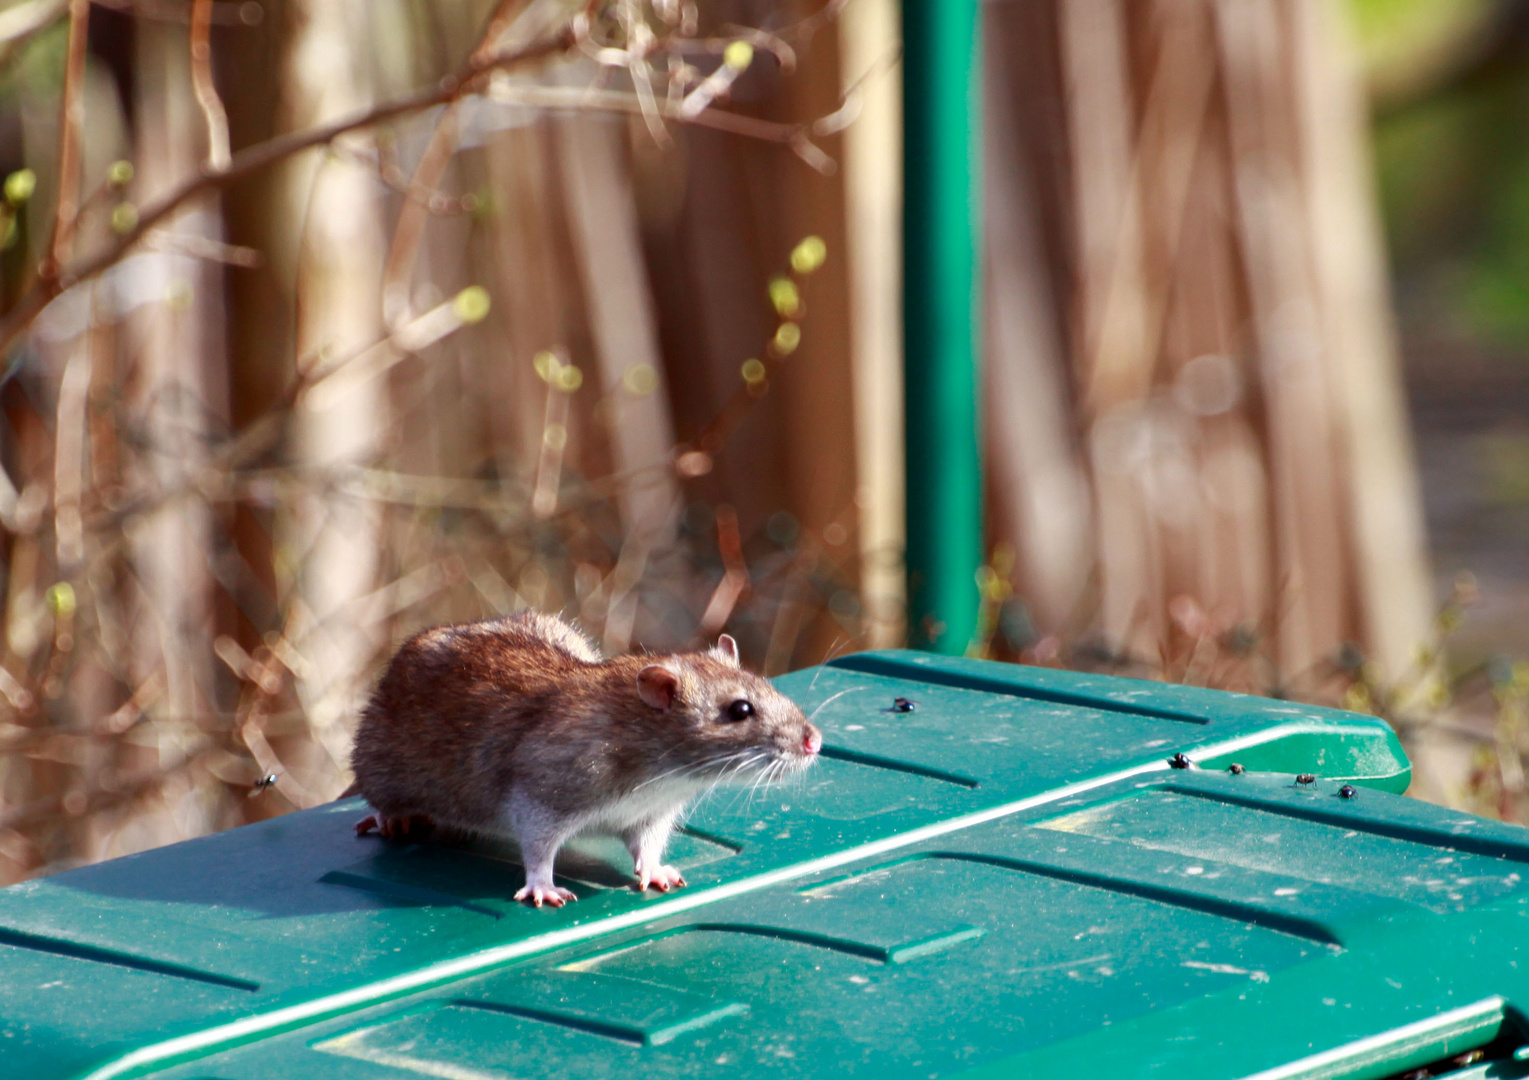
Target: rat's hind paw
x: 412, y: 827
x: 552, y: 895
x: 662, y: 878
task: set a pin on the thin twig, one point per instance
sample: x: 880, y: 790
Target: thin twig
x: 496, y: 27
x: 735, y: 577
x: 383, y: 159
x: 71, y: 118
x: 581, y: 99
x: 207, y: 90
x: 410, y: 230
x: 255, y: 158
x: 202, y: 247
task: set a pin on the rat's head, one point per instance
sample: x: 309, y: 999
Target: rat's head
x: 728, y: 723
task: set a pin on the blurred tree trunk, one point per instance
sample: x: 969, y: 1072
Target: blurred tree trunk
x: 328, y: 549
x: 719, y: 222
x: 1391, y: 564
x: 868, y: 39
x: 176, y: 369
x: 1187, y: 178
x: 1037, y: 490
x: 624, y: 328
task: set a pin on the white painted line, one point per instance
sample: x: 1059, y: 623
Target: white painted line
x: 1391, y: 1044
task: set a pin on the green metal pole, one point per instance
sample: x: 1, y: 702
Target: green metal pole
x: 944, y: 467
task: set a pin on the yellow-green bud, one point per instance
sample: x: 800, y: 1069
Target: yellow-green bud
x: 61, y: 599
x: 785, y: 297
x: 471, y: 304
x: 640, y: 379
x: 809, y: 255
x: 19, y: 186
x: 124, y: 217
x: 738, y: 55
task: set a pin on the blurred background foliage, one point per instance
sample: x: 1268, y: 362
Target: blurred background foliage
x: 1449, y: 91
x: 597, y: 311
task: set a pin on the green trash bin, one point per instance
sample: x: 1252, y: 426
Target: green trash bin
x: 1006, y: 874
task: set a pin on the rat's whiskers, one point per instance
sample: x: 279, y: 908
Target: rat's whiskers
x: 828, y: 701
x: 694, y: 767
x: 833, y: 651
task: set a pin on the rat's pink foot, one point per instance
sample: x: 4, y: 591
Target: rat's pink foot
x: 552, y: 895
x: 414, y: 827
x: 396, y: 828
x: 662, y: 878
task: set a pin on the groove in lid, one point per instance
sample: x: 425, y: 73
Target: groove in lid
x: 115, y: 957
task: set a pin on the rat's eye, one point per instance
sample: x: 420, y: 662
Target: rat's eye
x: 740, y: 710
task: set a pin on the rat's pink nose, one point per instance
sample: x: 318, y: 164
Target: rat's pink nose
x: 813, y: 741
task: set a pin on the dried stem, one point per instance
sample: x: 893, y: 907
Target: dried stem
x: 410, y: 230
x: 255, y: 158
x: 71, y: 119
x: 206, y: 90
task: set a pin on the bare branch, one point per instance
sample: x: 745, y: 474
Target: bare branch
x: 410, y: 230
x: 260, y: 156
x: 206, y: 90
x: 578, y: 99
x: 202, y: 247
x: 71, y: 117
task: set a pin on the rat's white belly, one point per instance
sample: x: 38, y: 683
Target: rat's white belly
x: 650, y: 803
x: 645, y: 804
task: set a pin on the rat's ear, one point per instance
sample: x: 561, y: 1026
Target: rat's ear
x: 726, y: 650
x: 658, y: 686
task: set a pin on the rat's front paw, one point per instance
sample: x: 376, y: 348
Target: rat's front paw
x: 662, y: 878
x: 551, y: 895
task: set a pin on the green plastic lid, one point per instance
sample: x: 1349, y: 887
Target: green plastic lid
x: 1001, y: 875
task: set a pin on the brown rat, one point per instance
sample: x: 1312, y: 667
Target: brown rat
x: 517, y: 726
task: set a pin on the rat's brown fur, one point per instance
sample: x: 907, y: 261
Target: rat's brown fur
x: 516, y: 725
